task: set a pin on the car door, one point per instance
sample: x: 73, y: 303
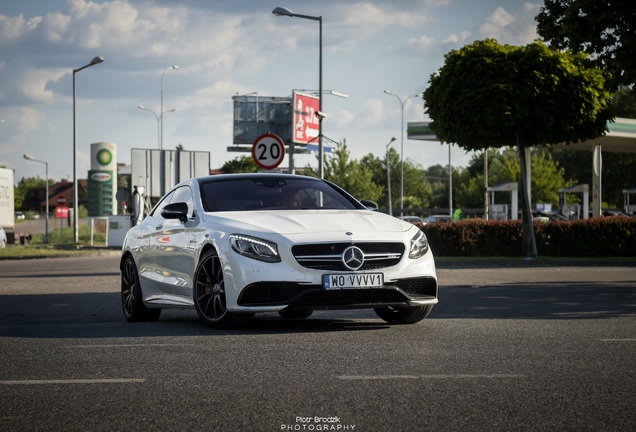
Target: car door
x: 172, y: 252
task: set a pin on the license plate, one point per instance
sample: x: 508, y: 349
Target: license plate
x: 349, y: 281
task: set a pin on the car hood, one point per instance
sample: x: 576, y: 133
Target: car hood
x: 301, y: 221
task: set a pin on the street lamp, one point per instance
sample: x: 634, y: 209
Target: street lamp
x: 175, y: 67
x: 282, y: 11
x: 388, y: 175
x: 159, y: 120
x: 402, y: 103
x: 96, y: 60
x: 46, y: 223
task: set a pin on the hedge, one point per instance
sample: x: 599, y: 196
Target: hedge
x: 597, y: 237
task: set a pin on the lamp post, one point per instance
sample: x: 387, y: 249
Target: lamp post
x: 388, y: 175
x: 402, y: 103
x: 96, y: 60
x: 159, y: 119
x: 46, y: 220
x: 175, y: 67
x: 282, y: 11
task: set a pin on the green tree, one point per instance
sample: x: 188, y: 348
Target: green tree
x: 624, y: 102
x: 240, y: 164
x: 492, y: 95
x: 619, y: 172
x: 418, y: 192
x: 378, y: 168
x: 606, y: 30
x: 29, y: 193
x: 417, y: 189
x: 351, y: 175
x: 437, y: 176
x: 547, y: 177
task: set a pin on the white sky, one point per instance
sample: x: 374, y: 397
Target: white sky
x: 225, y: 47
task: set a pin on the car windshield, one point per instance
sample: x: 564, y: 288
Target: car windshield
x: 272, y: 193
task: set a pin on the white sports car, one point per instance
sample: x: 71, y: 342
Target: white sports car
x: 238, y: 244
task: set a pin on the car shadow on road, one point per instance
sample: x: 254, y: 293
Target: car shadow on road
x: 98, y: 315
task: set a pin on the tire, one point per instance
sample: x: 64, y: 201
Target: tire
x: 209, y: 295
x: 298, y: 313
x: 131, y: 297
x: 406, y: 315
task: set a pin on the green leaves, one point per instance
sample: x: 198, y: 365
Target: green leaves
x: 487, y: 93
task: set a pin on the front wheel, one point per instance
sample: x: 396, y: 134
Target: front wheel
x: 210, y: 297
x: 132, y: 302
x: 403, y: 315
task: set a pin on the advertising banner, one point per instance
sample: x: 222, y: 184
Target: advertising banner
x: 305, y: 119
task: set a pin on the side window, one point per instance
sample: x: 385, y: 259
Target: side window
x: 156, y: 212
x: 183, y: 194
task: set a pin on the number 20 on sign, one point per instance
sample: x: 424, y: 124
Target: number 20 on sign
x: 268, y: 151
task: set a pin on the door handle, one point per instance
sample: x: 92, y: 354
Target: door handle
x: 159, y: 226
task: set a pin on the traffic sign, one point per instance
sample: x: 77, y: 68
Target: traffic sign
x: 268, y: 151
x: 61, y: 199
x: 61, y: 212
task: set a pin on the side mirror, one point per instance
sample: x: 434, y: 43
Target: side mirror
x: 178, y: 210
x: 369, y: 204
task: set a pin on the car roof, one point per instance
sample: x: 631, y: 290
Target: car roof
x: 240, y: 176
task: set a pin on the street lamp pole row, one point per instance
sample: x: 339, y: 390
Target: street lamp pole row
x: 159, y: 121
x: 402, y: 103
x: 282, y: 11
x: 93, y: 62
x: 175, y: 67
x: 388, y: 175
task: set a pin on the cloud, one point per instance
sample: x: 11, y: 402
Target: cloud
x: 517, y: 29
x: 373, y: 110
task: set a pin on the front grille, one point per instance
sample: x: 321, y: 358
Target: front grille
x: 314, y: 296
x: 350, y: 298
x: 328, y: 256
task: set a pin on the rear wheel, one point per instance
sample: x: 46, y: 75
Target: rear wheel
x: 403, y: 315
x: 131, y: 298
x: 210, y: 297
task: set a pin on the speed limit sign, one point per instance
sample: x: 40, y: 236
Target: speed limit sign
x: 268, y: 151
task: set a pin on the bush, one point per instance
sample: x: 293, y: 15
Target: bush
x: 609, y: 237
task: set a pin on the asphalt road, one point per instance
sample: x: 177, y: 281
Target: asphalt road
x: 523, y: 349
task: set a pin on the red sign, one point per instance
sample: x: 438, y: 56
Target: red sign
x: 61, y: 200
x: 305, y: 118
x: 61, y: 212
x: 268, y: 151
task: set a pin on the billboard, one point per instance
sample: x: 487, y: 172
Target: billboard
x: 305, y: 119
x: 159, y: 170
x: 258, y: 115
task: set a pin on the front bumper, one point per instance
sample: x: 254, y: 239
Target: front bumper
x: 274, y: 296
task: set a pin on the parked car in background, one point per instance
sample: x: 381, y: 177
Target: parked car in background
x: 233, y: 245
x: 437, y: 218
x: 3, y: 237
x: 19, y: 215
x: 547, y: 216
x: 412, y: 219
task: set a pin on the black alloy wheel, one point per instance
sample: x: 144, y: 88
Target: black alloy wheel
x: 131, y: 297
x: 209, y: 294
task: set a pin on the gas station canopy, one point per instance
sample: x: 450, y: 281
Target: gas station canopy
x: 621, y: 137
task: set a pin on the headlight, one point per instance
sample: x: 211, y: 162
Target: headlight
x: 419, y: 245
x: 255, y: 248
